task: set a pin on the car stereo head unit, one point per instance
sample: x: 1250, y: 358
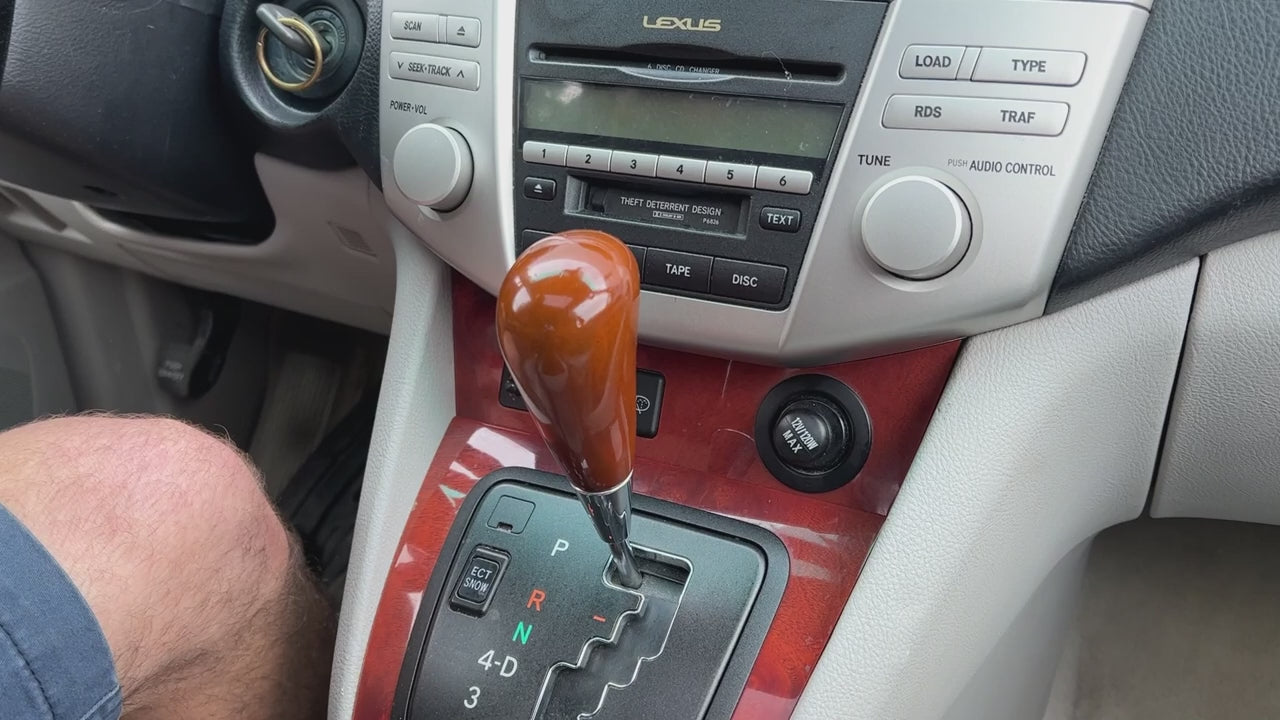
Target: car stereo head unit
x: 700, y: 134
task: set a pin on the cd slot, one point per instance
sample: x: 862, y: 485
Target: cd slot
x: 679, y: 61
x: 720, y: 213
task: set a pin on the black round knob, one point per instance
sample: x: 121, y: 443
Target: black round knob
x: 811, y: 435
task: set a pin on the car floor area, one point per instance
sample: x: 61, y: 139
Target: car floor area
x: 1180, y: 619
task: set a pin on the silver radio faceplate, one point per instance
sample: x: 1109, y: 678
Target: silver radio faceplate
x: 1015, y: 135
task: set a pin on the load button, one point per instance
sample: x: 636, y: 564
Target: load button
x: 748, y: 281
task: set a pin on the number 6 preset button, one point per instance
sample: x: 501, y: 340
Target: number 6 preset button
x: 797, y: 182
x: 679, y: 168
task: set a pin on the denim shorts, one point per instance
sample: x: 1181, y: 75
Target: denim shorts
x: 54, y: 660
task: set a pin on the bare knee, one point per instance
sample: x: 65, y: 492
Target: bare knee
x: 164, y: 528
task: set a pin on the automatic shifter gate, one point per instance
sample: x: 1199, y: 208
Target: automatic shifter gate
x: 529, y: 622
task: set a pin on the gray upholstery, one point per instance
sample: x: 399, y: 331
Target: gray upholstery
x: 1223, y: 448
x: 1047, y: 434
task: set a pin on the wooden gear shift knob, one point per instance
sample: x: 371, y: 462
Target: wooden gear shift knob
x: 567, y: 315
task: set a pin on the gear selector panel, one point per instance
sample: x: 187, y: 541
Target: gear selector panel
x: 534, y: 624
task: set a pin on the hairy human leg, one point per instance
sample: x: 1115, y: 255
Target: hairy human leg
x: 199, y: 588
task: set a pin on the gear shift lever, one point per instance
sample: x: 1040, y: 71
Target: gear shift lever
x: 567, y: 315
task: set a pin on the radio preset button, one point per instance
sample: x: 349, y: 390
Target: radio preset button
x: 967, y: 114
x: 544, y: 153
x: 681, y: 271
x: 782, y: 180
x: 748, y: 281
x: 931, y: 62
x: 435, y: 70
x: 679, y: 168
x: 629, y: 163
x: 588, y: 158
x: 780, y: 219
x: 424, y: 27
x: 731, y: 174
x: 1030, y: 67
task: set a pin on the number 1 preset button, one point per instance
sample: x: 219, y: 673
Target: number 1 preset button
x: 679, y: 168
x: 544, y: 153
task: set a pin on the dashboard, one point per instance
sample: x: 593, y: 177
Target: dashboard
x: 897, y: 175
x: 1106, y: 200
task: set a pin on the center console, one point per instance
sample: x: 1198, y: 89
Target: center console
x: 813, y: 185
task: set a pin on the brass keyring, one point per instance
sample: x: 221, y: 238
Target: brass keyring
x: 318, y: 58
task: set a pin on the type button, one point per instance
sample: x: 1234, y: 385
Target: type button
x: 1032, y: 67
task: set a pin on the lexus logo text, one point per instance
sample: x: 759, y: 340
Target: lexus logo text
x: 675, y: 23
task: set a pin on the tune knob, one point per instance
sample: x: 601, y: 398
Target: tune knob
x: 916, y: 227
x: 433, y: 166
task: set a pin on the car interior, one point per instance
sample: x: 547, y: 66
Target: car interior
x: 868, y: 359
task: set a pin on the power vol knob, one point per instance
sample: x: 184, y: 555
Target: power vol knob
x: 916, y: 227
x: 433, y: 167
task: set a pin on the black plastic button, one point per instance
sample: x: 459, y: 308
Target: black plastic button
x: 649, y: 388
x: 537, y: 188
x: 479, y: 580
x: 682, y: 271
x: 529, y: 237
x: 781, y: 219
x: 511, y: 515
x: 639, y: 252
x: 509, y: 393
x: 748, y: 281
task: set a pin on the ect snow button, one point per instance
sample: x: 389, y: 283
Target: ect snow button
x: 480, y: 577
